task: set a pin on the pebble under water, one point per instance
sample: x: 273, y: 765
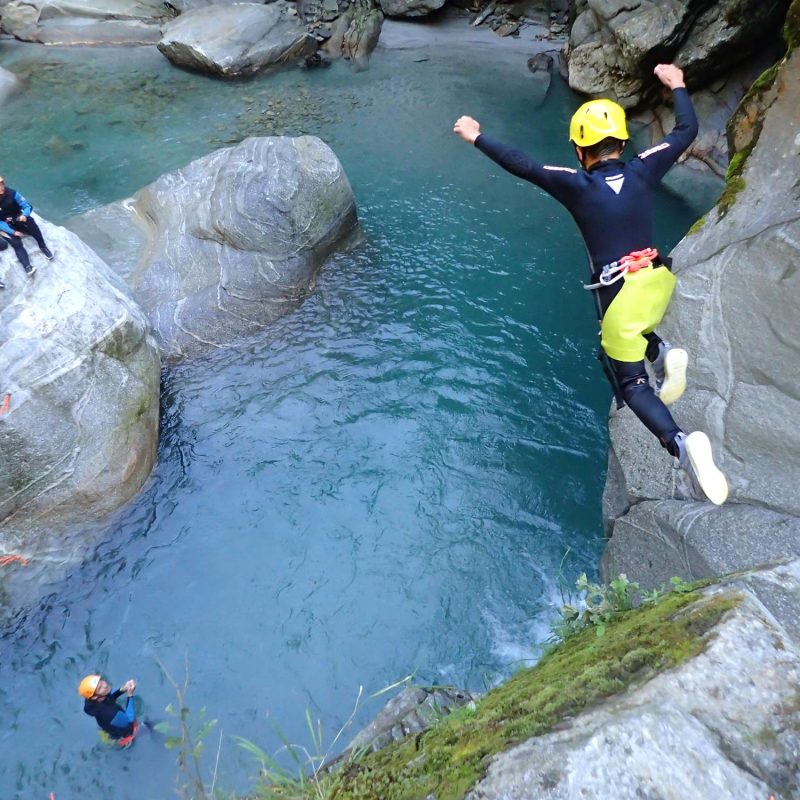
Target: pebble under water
x: 391, y: 483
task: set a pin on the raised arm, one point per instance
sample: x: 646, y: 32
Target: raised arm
x: 556, y: 181
x: 658, y: 159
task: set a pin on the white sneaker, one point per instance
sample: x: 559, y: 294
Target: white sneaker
x: 695, y: 456
x: 673, y: 383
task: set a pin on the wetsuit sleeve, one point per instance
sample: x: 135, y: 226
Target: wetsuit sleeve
x: 122, y: 719
x: 556, y: 181
x: 657, y: 160
x: 6, y: 228
x: 23, y: 204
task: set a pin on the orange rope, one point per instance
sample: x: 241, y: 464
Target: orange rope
x: 5, y: 406
x: 6, y: 560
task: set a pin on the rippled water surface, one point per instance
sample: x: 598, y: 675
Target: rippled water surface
x: 385, y: 486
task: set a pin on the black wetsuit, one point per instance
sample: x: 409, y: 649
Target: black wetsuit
x: 612, y: 204
x: 115, y: 721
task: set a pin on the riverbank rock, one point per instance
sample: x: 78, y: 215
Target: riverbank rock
x: 410, y: 8
x: 414, y: 710
x: 354, y: 33
x: 223, y: 247
x: 79, y: 393
x: 86, y: 22
x: 614, y: 44
x: 725, y: 724
x: 236, y: 39
x: 735, y: 310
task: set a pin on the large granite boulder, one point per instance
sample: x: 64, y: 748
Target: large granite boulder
x: 736, y: 311
x: 614, y: 44
x: 236, y: 39
x: 724, y: 724
x: 223, y: 247
x: 79, y: 395
x: 82, y: 22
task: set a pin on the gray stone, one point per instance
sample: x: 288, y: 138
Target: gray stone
x: 656, y: 540
x: 613, y: 43
x: 222, y: 248
x: 82, y: 22
x: 724, y: 724
x: 415, y: 709
x: 410, y: 8
x: 236, y: 40
x: 81, y: 371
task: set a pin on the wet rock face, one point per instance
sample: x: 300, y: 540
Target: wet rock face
x: 80, y: 371
x: 735, y: 310
x: 76, y: 22
x: 725, y: 724
x: 236, y: 40
x: 614, y: 44
x: 223, y: 247
x: 414, y: 710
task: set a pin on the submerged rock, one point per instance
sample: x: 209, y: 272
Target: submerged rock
x: 223, y: 247
x: 80, y: 371
x: 81, y: 22
x: 9, y: 83
x: 236, y: 39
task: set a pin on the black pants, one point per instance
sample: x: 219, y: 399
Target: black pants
x: 640, y: 397
x: 30, y: 227
x: 19, y: 248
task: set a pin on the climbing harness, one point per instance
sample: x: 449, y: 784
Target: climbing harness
x: 617, y: 270
x: 6, y: 560
x: 125, y: 741
x: 128, y: 740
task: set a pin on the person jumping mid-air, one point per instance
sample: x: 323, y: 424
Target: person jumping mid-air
x: 612, y: 204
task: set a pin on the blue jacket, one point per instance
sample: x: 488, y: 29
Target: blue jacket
x: 12, y: 204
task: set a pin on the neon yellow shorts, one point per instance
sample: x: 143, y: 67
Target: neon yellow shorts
x: 637, y: 309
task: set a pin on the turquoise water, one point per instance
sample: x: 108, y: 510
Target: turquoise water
x: 389, y: 485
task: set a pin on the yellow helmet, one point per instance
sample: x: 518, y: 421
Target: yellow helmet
x: 597, y: 120
x: 88, y: 686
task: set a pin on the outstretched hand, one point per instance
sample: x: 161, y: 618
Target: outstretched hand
x: 130, y: 687
x: 467, y: 128
x: 670, y: 75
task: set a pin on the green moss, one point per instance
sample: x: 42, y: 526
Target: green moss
x: 448, y: 759
x: 750, y: 104
x: 791, y: 28
x: 696, y: 228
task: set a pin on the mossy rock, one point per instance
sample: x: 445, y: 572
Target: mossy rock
x: 450, y: 758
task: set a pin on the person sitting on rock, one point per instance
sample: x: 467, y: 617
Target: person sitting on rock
x: 15, y: 222
x: 612, y: 204
x: 101, y: 703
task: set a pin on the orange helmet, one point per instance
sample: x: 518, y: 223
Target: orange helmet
x: 88, y: 686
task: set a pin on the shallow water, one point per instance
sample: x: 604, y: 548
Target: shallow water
x: 390, y: 484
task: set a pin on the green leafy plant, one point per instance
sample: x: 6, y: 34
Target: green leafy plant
x: 596, y: 604
x: 309, y: 765
x: 186, y: 732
